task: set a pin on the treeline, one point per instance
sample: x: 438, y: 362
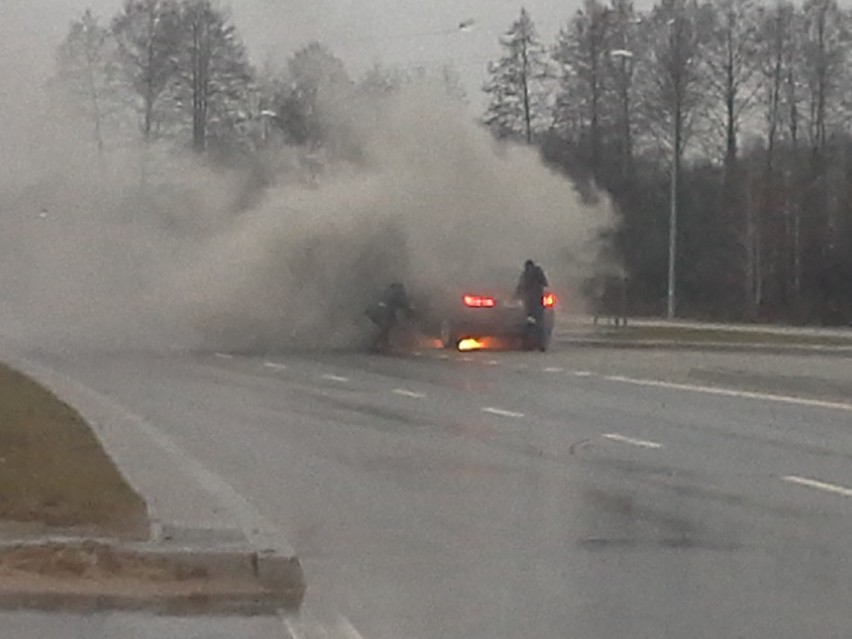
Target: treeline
x: 177, y: 72
x: 747, y: 103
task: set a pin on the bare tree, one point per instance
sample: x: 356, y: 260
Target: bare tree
x: 86, y: 74
x: 777, y: 57
x: 147, y: 33
x: 824, y: 56
x: 582, y: 51
x: 733, y: 82
x: 730, y: 55
x: 214, y: 78
x: 672, y: 77
x: 316, y: 81
x: 380, y: 81
x: 676, y: 30
x: 623, y: 57
x: 518, y: 96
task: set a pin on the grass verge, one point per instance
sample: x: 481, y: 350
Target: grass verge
x: 53, y: 471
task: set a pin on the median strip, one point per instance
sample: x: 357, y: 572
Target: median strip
x: 78, y: 538
x: 53, y: 471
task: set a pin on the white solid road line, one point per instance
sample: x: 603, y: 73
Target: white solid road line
x: 291, y: 628
x: 641, y: 443
x: 310, y: 628
x: 348, y: 629
x: 335, y: 378
x: 408, y: 393
x: 728, y: 392
x: 274, y: 366
x: 819, y: 485
x: 501, y: 412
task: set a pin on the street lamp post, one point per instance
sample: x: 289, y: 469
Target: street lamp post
x: 671, y: 294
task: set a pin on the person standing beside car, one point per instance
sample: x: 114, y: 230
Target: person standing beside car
x: 530, y: 290
x: 385, y: 314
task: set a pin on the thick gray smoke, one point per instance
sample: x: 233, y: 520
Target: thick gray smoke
x: 90, y: 252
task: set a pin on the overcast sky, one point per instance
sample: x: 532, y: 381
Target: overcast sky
x: 405, y: 33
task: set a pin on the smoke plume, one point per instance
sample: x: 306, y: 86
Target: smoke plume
x: 151, y: 248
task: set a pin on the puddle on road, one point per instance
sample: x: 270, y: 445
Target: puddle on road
x: 617, y: 521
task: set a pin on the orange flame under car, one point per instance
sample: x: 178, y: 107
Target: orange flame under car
x: 471, y: 344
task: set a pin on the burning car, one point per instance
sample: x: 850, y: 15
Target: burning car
x: 475, y: 318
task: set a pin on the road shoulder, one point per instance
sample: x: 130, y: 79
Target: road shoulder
x: 198, y: 524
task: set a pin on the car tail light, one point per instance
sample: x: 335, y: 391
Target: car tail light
x: 477, y: 301
x: 549, y: 300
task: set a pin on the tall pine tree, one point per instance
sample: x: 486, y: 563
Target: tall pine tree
x: 517, y: 86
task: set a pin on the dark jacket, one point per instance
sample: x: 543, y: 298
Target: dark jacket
x: 393, y: 299
x: 531, y: 286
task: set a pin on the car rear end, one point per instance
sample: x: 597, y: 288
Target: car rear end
x: 476, y: 315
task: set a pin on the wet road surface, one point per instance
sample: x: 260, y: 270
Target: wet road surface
x: 521, y: 495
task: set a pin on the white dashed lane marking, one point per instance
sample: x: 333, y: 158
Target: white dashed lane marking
x: 641, y: 443
x: 582, y: 374
x: 335, y: 378
x: 554, y: 369
x: 501, y: 412
x: 408, y: 393
x: 223, y: 356
x: 819, y: 485
x: 275, y: 366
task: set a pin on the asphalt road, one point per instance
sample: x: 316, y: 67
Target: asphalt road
x: 524, y: 495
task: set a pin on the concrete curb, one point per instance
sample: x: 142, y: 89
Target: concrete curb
x: 744, y: 347
x: 228, y: 538
x: 246, y: 585
x: 223, y: 604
